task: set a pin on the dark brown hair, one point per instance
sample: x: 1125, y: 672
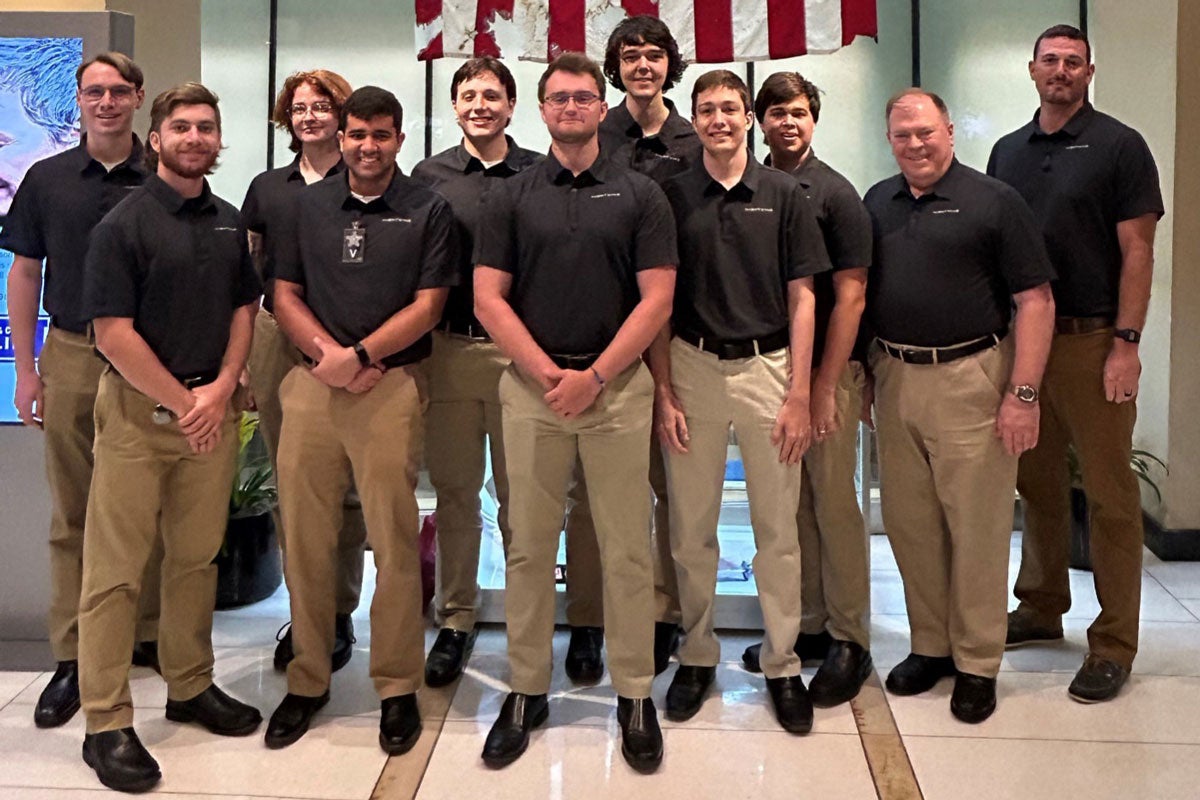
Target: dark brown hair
x: 725, y: 78
x: 483, y: 65
x: 576, y: 64
x: 1063, y: 32
x: 783, y: 87
x: 123, y: 64
x: 635, y: 32
x: 185, y: 94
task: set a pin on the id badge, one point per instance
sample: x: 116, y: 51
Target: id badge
x: 354, y: 243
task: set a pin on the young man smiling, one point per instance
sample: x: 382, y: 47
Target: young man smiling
x: 743, y: 328
x: 465, y: 369
x: 361, y: 279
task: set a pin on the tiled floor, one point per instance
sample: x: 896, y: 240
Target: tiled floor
x: 1039, y: 744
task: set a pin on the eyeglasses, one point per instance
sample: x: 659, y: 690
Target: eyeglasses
x: 94, y: 94
x: 582, y: 99
x: 320, y: 108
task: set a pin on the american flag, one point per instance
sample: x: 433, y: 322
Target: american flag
x: 708, y: 31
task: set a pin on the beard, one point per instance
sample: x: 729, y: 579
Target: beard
x: 170, y: 159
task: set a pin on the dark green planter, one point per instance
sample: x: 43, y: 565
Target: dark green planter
x: 249, y: 567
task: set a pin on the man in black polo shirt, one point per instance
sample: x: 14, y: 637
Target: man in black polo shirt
x: 575, y: 271
x: 835, y: 588
x: 307, y: 108
x: 171, y: 292
x: 1092, y: 183
x: 59, y: 202
x: 956, y: 395
x: 360, y: 281
x: 465, y: 369
x: 743, y: 326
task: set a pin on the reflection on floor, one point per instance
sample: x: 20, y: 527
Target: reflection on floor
x: 1039, y: 744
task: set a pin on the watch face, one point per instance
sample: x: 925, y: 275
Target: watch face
x: 1026, y: 394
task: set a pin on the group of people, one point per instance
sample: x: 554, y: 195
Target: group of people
x: 600, y: 317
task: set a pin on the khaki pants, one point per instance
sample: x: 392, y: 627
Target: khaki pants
x: 542, y: 448
x: 463, y: 418
x: 147, y: 481
x: 947, y: 489
x: 70, y: 371
x: 328, y: 435
x: 1075, y: 412
x: 583, y: 554
x: 272, y: 357
x: 746, y: 393
x: 836, y: 586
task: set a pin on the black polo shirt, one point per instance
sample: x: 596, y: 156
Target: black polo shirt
x: 1080, y: 182
x: 409, y: 246
x: 271, y: 199
x: 947, y: 263
x: 468, y: 186
x: 59, y: 202
x: 178, y: 268
x: 738, y: 249
x: 669, y: 152
x: 846, y: 231
x: 574, y: 246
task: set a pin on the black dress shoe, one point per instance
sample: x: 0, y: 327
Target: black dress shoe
x: 843, y: 672
x: 145, y: 654
x: 448, y: 656
x: 120, y: 760
x: 974, y: 698
x: 60, y: 699
x: 283, y: 651
x: 1099, y: 679
x: 917, y: 674
x: 291, y: 720
x: 343, y: 640
x: 217, y: 711
x: 399, y: 724
x: 509, y: 736
x: 666, y: 642
x: 809, y: 647
x: 686, y: 693
x: 584, y: 663
x: 641, y: 738
x: 793, y: 708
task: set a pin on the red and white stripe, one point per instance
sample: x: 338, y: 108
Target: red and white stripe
x: 708, y: 31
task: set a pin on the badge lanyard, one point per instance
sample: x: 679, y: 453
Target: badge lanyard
x: 354, y: 243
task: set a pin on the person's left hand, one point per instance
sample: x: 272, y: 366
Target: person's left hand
x: 1017, y: 424
x: 337, y: 365
x: 574, y: 394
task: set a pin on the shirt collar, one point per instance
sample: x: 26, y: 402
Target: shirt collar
x: 390, y: 197
x: 509, y: 165
x: 133, y: 162
x: 673, y: 127
x: 1075, y: 125
x: 944, y: 188
x: 804, y: 172
x: 294, y: 173
x: 174, y: 202
x: 599, y: 172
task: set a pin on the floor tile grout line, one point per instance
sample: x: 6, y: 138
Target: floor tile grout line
x: 437, y: 735
x: 22, y: 690
x: 1048, y: 739
x: 104, y: 792
x: 1170, y: 594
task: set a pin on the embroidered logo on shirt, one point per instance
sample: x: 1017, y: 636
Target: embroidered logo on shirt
x: 758, y: 210
x: 1076, y: 147
x: 223, y: 228
x: 667, y: 156
x: 395, y: 219
x: 946, y: 211
x: 606, y: 194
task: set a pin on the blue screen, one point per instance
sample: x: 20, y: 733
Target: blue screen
x: 38, y: 118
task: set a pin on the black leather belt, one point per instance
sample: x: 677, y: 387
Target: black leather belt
x: 941, y: 355
x: 729, y: 349
x: 469, y: 330
x: 574, y: 361
x: 194, y: 379
x: 1081, y: 324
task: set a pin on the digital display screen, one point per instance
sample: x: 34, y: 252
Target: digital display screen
x: 38, y: 118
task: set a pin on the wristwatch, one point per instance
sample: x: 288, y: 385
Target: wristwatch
x: 1128, y: 334
x: 1025, y: 393
x: 364, y: 358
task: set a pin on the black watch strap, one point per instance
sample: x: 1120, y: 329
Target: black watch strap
x: 363, y: 357
x: 1128, y: 334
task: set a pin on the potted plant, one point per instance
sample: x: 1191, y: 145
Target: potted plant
x: 1140, y: 462
x: 249, y: 568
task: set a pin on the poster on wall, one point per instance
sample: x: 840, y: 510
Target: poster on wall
x: 38, y: 118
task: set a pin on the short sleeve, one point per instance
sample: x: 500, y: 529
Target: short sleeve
x: 654, y: 241
x: 283, y: 257
x: 110, y: 274
x: 847, y: 229
x: 21, y: 233
x: 252, y: 212
x: 1137, y: 187
x: 1021, y: 245
x: 439, y: 258
x: 805, y: 253
x: 248, y: 288
x: 495, y: 238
